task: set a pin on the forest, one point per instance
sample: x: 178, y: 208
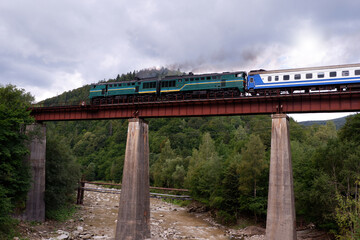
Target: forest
x: 223, y: 161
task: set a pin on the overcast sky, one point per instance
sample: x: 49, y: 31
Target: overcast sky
x: 48, y: 47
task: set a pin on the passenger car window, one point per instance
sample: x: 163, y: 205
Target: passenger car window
x: 297, y: 76
x: 345, y: 73
x: 321, y: 75
x: 286, y: 77
x: 276, y: 78
x: 269, y: 78
x: 357, y: 72
x: 309, y: 75
x: 332, y: 74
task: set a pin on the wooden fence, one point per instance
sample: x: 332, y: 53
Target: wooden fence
x: 82, y: 188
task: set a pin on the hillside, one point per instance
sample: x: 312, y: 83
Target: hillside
x: 222, y: 160
x: 339, y: 122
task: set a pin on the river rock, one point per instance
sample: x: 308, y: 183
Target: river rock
x: 80, y: 229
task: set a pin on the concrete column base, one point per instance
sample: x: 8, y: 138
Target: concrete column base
x: 35, y: 204
x: 281, y: 218
x: 134, y: 208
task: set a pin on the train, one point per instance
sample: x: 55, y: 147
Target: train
x: 229, y: 84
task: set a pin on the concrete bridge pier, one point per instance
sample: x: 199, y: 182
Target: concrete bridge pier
x: 134, y: 208
x: 35, y: 204
x: 281, y: 219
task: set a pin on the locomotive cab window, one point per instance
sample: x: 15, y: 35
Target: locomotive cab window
x: 297, y: 76
x: 345, y: 73
x: 321, y: 75
x: 251, y: 79
x: 308, y: 75
x: 286, y: 77
x: 357, y: 72
x: 332, y: 74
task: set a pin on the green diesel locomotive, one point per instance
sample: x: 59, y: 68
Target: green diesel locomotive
x: 227, y: 84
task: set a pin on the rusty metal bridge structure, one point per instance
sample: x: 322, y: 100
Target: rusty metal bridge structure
x: 341, y: 101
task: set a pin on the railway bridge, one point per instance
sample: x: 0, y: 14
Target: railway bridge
x: 134, y: 208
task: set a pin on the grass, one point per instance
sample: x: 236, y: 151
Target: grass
x: 181, y: 203
x: 62, y: 214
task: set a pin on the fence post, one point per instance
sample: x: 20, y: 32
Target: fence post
x: 80, y: 193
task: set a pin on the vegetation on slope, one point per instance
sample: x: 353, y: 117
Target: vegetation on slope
x: 224, y: 161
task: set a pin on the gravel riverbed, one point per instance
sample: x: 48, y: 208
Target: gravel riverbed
x: 96, y: 219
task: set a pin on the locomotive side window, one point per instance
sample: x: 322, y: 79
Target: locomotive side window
x: 95, y: 85
x: 308, y: 75
x: 213, y: 77
x: 297, y: 76
x: 120, y: 85
x: 203, y: 78
x: 332, y: 74
x: 286, y: 77
x: 357, y: 72
x: 191, y: 79
x: 345, y: 73
x: 269, y: 78
x: 251, y: 79
x: 321, y: 75
x: 149, y: 85
x: 208, y: 78
x: 276, y: 78
x: 110, y: 85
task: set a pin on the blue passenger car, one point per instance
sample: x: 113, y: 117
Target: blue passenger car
x: 315, y: 78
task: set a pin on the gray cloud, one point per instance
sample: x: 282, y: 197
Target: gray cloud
x: 48, y: 47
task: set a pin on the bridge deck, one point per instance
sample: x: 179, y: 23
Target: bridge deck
x: 286, y: 103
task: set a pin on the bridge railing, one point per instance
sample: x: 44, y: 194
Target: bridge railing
x: 61, y: 104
